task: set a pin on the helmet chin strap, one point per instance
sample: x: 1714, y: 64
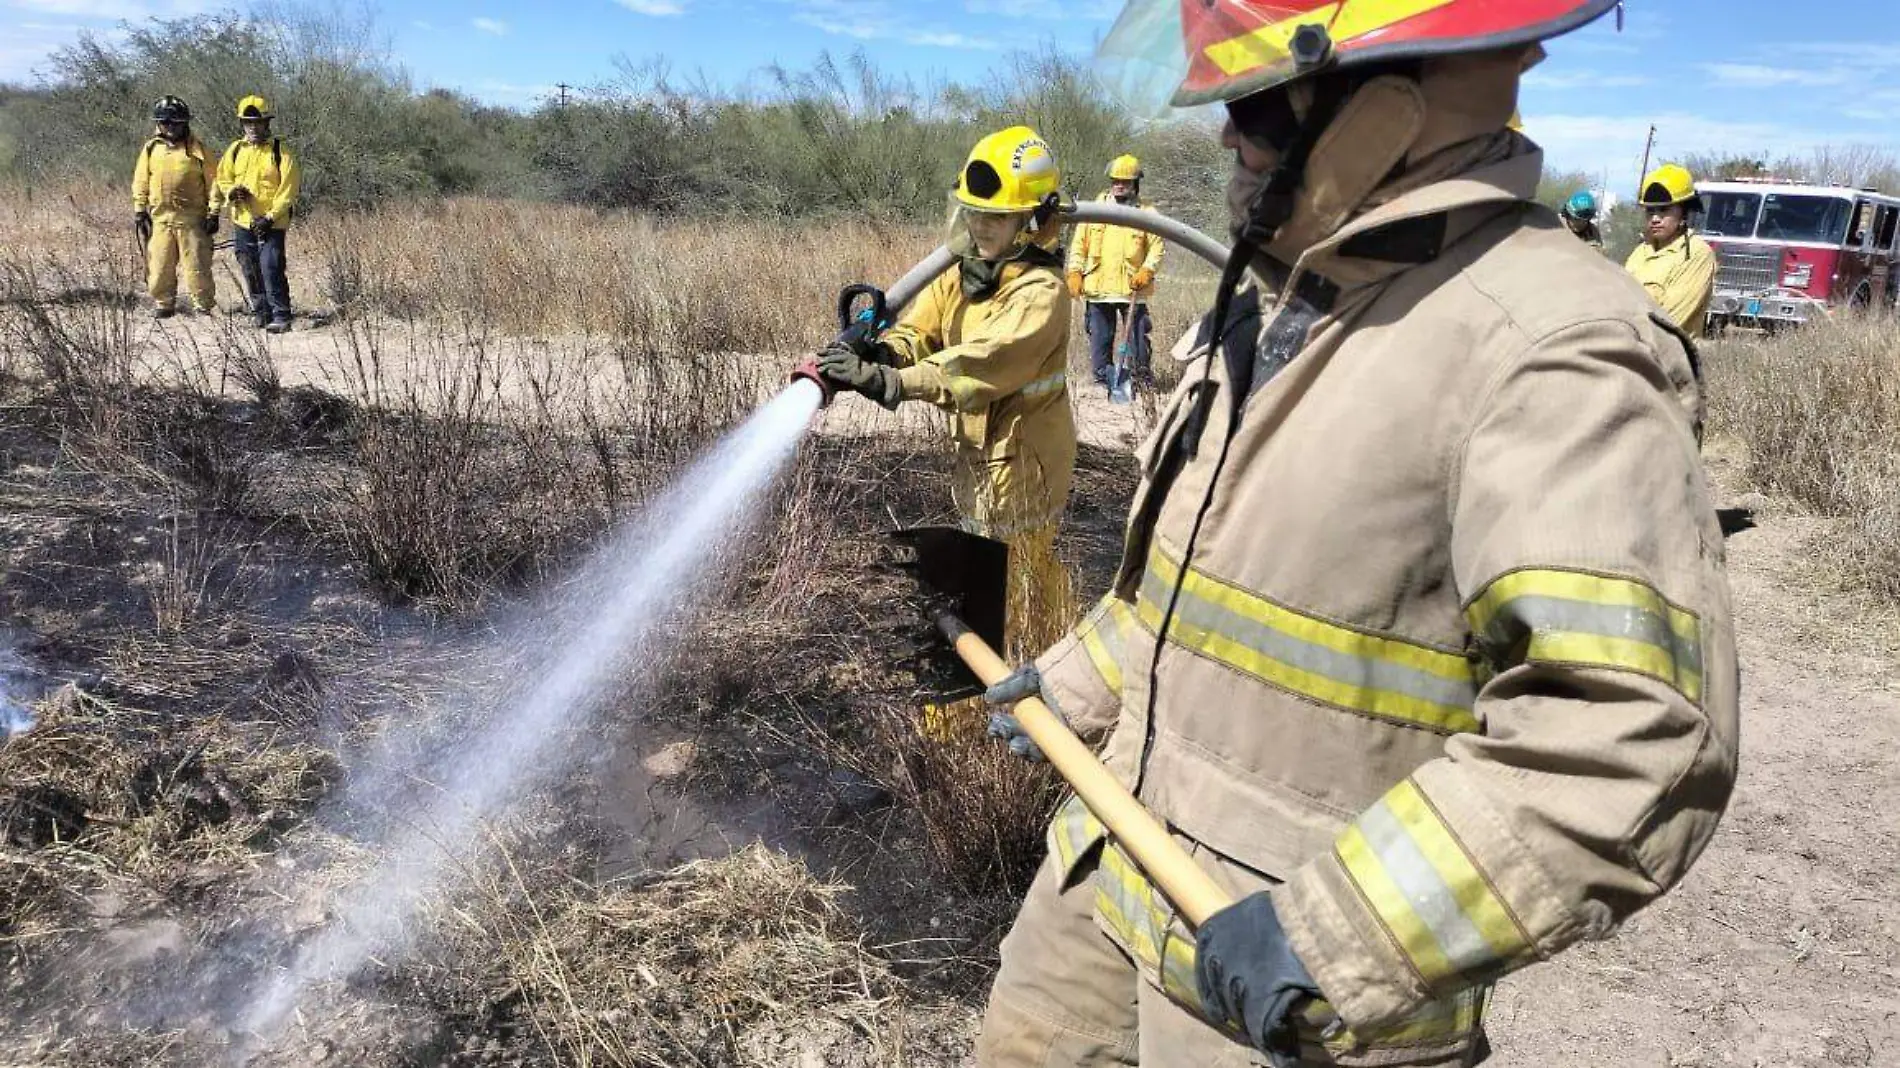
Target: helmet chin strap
x: 1273, y: 204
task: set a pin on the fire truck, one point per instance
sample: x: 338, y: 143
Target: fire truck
x: 1788, y: 252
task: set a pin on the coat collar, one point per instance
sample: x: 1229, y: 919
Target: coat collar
x: 1413, y: 227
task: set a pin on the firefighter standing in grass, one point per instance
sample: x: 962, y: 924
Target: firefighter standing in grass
x: 1675, y: 265
x: 259, y: 177
x: 1112, y: 270
x: 1420, y: 642
x: 987, y: 343
x: 1580, y: 215
x: 173, y: 185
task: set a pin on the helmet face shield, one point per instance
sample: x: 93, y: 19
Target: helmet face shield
x: 1143, y: 59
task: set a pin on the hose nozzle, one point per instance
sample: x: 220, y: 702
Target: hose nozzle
x: 807, y: 369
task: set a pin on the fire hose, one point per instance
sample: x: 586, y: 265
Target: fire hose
x: 1145, y: 839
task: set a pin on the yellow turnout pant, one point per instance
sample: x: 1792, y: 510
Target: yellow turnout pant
x: 176, y: 245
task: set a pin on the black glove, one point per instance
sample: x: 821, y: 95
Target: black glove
x: 1250, y: 978
x: 142, y: 226
x: 260, y: 227
x: 211, y: 224
x: 1025, y: 681
x: 844, y: 368
x: 239, y: 194
x: 868, y: 348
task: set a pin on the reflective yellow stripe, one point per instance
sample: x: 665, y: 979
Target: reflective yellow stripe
x: 1375, y: 674
x: 1137, y: 917
x: 1427, y: 892
x: 1073, y: 832
x: 1574, y: 617
x: 1045, y: 384
x: 1268, y: 45
x: 1104, y: 636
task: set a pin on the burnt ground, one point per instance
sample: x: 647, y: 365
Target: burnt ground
x: 208, y: 671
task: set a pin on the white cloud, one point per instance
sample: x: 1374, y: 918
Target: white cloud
x: 1758, y: 76
x: 512, y: 93
x: 425, y: 26
x: 877, y: 20
x: 1613, y: 145
x: 1103, y: 11
x: 113, y: 10
x: 487, y: 25
x: 1582, y: 79
x: 653, y: 7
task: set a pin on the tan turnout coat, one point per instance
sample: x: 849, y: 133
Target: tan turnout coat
x: 1448, y: 646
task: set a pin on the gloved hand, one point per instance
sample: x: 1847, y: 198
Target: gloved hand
x: 1142, y: 279
x: 1249, y: 976
x: 260, y: 227
x: 1025, y: 681
x: 867, y: 346
x: 239, y: 194
x: 142, y: 219
x: 842, y: 365
x: 1075, y: 284
x: 211, y: 224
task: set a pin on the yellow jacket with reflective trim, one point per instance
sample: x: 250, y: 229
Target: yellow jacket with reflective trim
x: 1448, y: 636
x: 174, y: 182
x: 1107, y: 258
x: 269, y: 171
x: 1679, y: 277
x: 996, y: 368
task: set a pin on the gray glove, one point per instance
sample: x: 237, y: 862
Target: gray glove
x: 844, y: 368
x: 1025, y: 681
x: 1249, y: 977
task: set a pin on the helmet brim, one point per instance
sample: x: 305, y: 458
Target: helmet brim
x: 1350, y: 55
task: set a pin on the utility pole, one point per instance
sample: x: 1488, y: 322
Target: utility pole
x: 1647, y: 145
x: 564, y: 87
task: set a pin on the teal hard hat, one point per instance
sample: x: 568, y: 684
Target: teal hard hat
x: 1581, y: 206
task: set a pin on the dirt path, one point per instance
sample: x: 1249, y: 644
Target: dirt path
x: 1779, y: 948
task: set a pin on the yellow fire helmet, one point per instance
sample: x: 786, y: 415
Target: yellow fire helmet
x: 1008, y: 171
x: 1668, y: 185
x: 254, y: 107
x: 1124, y: 169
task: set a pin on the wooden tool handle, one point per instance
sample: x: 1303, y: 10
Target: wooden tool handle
x: 1140, y: 835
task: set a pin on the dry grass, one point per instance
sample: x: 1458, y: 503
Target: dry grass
x: 1818, y: 410
x: 102, y: 795
x: 694, y: 966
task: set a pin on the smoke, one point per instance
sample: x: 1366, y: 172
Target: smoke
x: 16, y: 680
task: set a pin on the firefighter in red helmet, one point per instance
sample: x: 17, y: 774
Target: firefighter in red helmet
x: 1420, y: 643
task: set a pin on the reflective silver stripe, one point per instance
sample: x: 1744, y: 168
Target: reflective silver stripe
x: 1540, y: 613
x: 1365, y: 672
x: 1434, y: 902
x: 1045, y: 384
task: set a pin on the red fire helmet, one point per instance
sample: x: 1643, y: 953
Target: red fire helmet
x: 1227, y: 49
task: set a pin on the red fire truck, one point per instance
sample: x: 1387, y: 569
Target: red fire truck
x: 1788, y: 252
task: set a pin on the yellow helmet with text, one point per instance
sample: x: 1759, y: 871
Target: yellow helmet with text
x: 1010, y: 170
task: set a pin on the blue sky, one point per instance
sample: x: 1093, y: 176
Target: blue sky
x: 1713, y: 75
